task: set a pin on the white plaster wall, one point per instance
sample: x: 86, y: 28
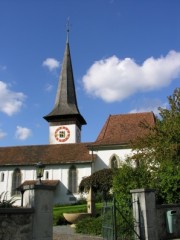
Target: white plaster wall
x: 4, y: 184
x: 28, y: 173
x: 104, y: 156
x: 56, y: 172
x: 60, y: 173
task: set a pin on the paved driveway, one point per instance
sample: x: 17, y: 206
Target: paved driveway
x: 67, y: 233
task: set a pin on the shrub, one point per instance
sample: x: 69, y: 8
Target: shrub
x: 90, y: 226
x: 59, y: 220
x: 4, y: 203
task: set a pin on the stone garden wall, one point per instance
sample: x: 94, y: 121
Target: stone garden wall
x: 16, y: 223
x: 161, y: 211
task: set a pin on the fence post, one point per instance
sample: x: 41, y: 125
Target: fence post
x: 144, y: 211
x: 40, y: 197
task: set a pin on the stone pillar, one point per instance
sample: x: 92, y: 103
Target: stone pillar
x: 91, y: 203
x: 144, y: 211
x: 40, y: 197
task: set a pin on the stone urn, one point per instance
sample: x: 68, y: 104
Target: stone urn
x: 73, y: 218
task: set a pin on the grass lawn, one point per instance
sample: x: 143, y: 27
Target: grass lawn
x: 58, y: 218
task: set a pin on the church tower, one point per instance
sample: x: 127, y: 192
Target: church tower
x: 65, y: 120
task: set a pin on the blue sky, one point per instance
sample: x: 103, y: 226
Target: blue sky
x: 125, y: 55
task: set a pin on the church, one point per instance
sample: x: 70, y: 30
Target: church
x: 67, y: 160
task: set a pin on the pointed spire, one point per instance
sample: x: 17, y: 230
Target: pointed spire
x: 66, y: 108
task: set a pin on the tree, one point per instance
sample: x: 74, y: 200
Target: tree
x: 159, y: 150
x: 129, y: 177
x: 100, y: 181
x: 162, y: 143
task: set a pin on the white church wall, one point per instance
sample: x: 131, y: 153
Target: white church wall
x: 27, y: 173
x: 104, y: 157
x: 61, y: 173
x: 3, y: 180
x: 55, y: 172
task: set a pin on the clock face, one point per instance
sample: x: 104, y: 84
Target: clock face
x: 62, y: 134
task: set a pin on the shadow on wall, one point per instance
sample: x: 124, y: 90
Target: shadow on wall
x: 62, y: 195
x: 100, y: 164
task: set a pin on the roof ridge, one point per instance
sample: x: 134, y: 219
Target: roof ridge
x: 133, y: 113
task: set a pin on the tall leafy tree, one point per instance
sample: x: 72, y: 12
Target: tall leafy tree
x: 159, y: 150
x: 129, y: 177
x: 162, y: 143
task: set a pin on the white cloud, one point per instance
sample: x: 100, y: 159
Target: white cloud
x: 149, y: 105
x: 113, y: 79
x: 22, y: 133
x: 2, y: 134
x: 145, y: 109
x: 48, y: 87
x: 10, y: 101
x: 51, y: 63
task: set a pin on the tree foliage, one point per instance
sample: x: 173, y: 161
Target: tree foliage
x: 162, y: 144
x: 100, y: 181
x: 129, y: 177
x: 158, y: 155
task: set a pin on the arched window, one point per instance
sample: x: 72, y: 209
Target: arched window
x: 72, y: 181
x: 114, y: 162
x: 16, y: 181
x: 2, y: 177
x: 46, y: 175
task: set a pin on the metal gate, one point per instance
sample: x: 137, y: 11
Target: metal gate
x: 118, y: 223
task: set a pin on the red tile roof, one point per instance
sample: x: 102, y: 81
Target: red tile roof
x: 52, y: 183
x: 118, y: 130
x: 124, y: 128
x: 47, y: 154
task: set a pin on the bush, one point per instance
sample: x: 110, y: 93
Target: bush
x: 59, y: 220
x: 90, y: 226
x: 4, y: 203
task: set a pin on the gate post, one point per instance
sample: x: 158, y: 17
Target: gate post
x: 144, y: 211
x: 40, y: 197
